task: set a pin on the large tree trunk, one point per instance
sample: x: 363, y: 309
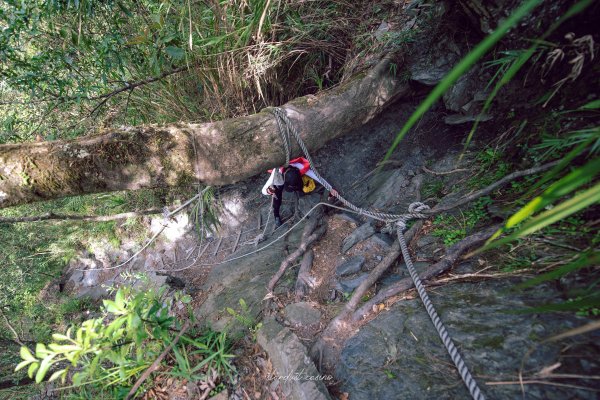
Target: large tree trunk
x: 216, y: 153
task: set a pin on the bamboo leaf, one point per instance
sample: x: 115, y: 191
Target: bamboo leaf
x: 461, y: 68
x: 564, y: 186
x: 563, y: 210
x: 592, y: 105
x: 584, y: 260
x: 592, y: 301
x: 566, y: 160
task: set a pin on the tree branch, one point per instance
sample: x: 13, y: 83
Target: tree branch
x: 306, y: 241
x: 157, y: 362
x: 72, y: 217
x: 103, y: 96
x: 14, y: 332
x: 489, y: 189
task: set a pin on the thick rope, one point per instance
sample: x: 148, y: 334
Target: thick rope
x: 414, y: 212
x: 437, y: 322
x: 283, y: 120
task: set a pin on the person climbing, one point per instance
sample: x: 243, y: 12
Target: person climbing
x: 297, y: 177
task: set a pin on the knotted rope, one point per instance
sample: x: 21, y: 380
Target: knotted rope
x: 415, y: 211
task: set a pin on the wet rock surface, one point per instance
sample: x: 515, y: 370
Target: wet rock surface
x: 399, y: 355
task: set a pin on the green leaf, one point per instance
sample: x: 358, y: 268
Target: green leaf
x: 563, y: 210
x: 57, y: 374
x: 40, y: 350
x: 44, y: 366
x: 565, y: 161
x: 23, y: 364
x: 592, y: 301
x: 592, y: 105
x: 584, y: 260
x: 114, y: 326
x: 120, y: 299
x: 26, y: 354
x: 564, y: 186
x: 63, y: 348
x: 32, y: 368
x: 176, y: 53
x: 58, y: 336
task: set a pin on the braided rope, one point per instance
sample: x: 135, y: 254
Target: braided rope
x: 415, y: 211
x: 437, y: 322
x: 281, y: 116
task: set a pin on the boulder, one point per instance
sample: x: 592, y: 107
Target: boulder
x: 295, y: 371
x: 359, y: 234
x: 302, y: 313
x: 399, y: 355
x: 350, y: 266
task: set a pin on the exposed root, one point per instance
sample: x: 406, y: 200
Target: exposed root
x: 305, y: 282
x: 454, y: 253
x: 342, y: 323
x: 308, y: 238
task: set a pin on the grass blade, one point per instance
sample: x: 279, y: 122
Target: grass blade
x: 463, y: 66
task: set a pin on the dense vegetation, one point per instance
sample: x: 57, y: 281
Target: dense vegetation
x: 72, y: 68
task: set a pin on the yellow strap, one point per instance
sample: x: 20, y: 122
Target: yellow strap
x: 308, y: 184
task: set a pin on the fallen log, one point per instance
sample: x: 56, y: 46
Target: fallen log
x: 217, y: 153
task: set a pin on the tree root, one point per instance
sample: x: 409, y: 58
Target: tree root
x: 304, y: 282
x: 348, y: 317
x: 337, y: 325
x: 451, y: 257
x: 310, y: 234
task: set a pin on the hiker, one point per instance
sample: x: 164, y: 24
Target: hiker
x: 296, y: 177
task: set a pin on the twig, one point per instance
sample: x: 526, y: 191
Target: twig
x: 237, y: 241
x: 14, y: 332
x: 156, y: 362
x: 557, y: 244
x: 452, y: 255
x: 104, y: 96
x: 535, y: 381
x: 216, y: 250
x: 489, y: 189
x: 444, y: 172
x: 71, y: 217
x: 477, y: 275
